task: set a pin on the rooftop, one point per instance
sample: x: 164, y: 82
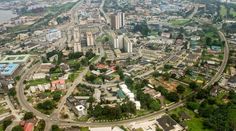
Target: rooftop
x: 8, y: 69
x: 15, y: 59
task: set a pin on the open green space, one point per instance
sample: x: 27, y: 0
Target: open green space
x: 37, y: 82
x: 84, y: 129
x: 223, y: 11
x: 179, y: 22
x: 232, y: 12
x: 194, y: 124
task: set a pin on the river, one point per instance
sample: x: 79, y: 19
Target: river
x: 6, y: 15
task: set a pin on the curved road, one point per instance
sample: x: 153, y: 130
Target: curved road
x: 217, y: 76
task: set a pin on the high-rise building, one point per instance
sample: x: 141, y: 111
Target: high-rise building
x: 121, y: 16
x: 128, y: 45
x: 117, y: 41
x: 77, y: 44
x: 90, y: 39
x: 117, y: 20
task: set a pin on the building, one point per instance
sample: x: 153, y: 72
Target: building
x: 8, y: 70
x: 90, y: 39
x: 121, y: 16
x: 77, y: 105
x: 16, y: 59
x: 53, y: 35
x: 100, y: 129
x: 117, y: 20
x: 166, y: 123
x: 128, y: 45
x: 232, y: 81
x: 77, y: 43
x: 117, y: 41
x: 28, y: 126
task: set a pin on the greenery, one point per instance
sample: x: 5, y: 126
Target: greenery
x: 17, y: 128
x: 6, y: 123
x: 56, y: 128
x: 112, y: 113
x: 56, y: 95
x: 46, y: 106
x: 28, y: 115
x: 40, y: 126
x: 180, y: 89
x: 142, y: 28
x: 12, y: 92
x: 179, y: 22
x: 37, y: 82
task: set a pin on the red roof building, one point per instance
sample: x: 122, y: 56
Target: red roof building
x: 28, y: 127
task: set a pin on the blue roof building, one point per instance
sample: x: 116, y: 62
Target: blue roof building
x: 8, y: 69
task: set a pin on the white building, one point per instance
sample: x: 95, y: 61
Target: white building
x: 128, y: 45
x: 53, y: 34
x: 39, y: 76
x: 77, y: 44
x: 90, y: 39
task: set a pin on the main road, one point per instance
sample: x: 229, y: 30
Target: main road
x: 219, y: 73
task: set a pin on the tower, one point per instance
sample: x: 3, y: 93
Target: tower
x: 90, y: 39
x: 77, y: 44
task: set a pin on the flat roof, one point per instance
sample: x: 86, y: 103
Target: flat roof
x: 8, y: 69
x: 15, y: 59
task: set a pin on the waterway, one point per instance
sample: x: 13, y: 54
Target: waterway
x: 6, y: 15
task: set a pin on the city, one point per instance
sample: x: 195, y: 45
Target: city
x: 118, y: 65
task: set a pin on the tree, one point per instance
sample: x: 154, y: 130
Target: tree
x: 208, y: 40
x: 12, y: 92
x: 55, y: 128
x: 40, y: 126
x: 56, y: 95
x: 6, y: 123
x: 193, y: 85
x: 46, y: 105
x: 17, y: 128
x: 28, y: 115
x: 155, y: 105
x: 192, y: 105
x: 180, y: 89
x: 173, y: 97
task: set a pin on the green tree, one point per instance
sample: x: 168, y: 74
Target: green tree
x: 28, y: 115
x: 173, y: 97
x: 17, y: 128
x: 180, y: 89
x: 193, y: 85
x: 6, y: 123
x: 55, y: 128
x: 56, y: 95
x: 155, y: 105
x: 12, y: 92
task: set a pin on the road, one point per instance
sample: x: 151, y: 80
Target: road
x: 123, y: 122
x: 218, y: 74
x: 107, y: 19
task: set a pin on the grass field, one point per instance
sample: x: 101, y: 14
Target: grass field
x: 37, y: 82
x: 179, y: 22
x: 195, y: 123
x: 223, y: 11
x: 232, y: 12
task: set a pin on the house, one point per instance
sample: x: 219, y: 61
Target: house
x: 39, y: 76
x: 166, y: 123
x: 28, y: 126
x: 100, y: 129
x: 77, y: 104
x: 45, y: 67
x: 232, y: 82
x: 59, y: 84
